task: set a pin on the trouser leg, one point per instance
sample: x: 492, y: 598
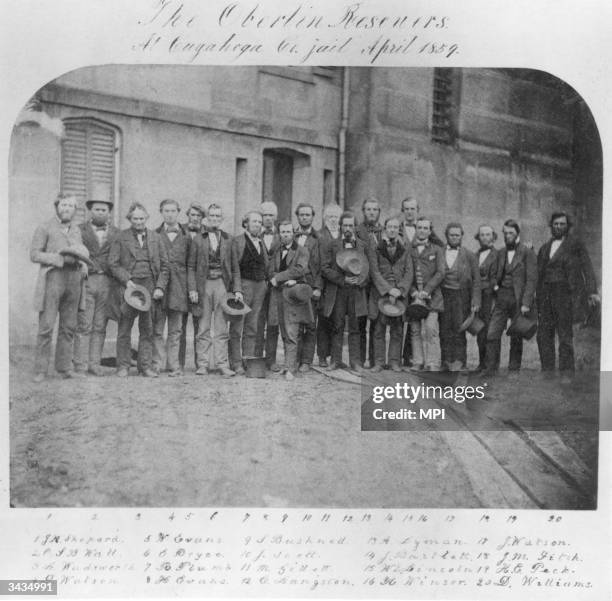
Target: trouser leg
x: 355, y: 353
x: 338, y: 318
x: 289, y: 332
x: 68, y: 309
x: 565, y: 328
x: 145, y: 341
x: 175, y: 322
x: 380, y: 329
x: 417, y: 342
x: 324, y: 327
x: 124, y: 337
x: 396, y: 330
x: 255, y: 293
x: 485, y: 314
x: 219, y: 323
x: 546, y: 329
x: 431, y: 341
x: 82, y: 336
x: 158, y: 318
x: 204, y: 337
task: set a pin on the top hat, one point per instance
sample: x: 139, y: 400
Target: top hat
x: 522, y: 326
x: 99, y: 193
x: 232, y: 306
x: 138, y: 296
x: 473, y: 324
x: 353, y: 263
x: 297, y: 295
x: 391, y: 308
x: 78, y: 251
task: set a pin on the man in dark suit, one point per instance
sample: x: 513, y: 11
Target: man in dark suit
x: 288, y: 267
x: 97, y: 234
x: 249, y: 266
x: 58, y: 288
x: 307, y: 237
x: 392, y: 274
x: 209, y: 278
x: 266, y: 341
x: 410, y: 210
x: 174, y: 305
x: 429, y: 267
x: 193, y: 228
x: 370, y: 231
x: 345, y: 295
x: 515, y: 291
x: 461, y: 296
x: 330, y: 231
x: 137, y: 256
x: 564, y: 273
x: 487, y: 266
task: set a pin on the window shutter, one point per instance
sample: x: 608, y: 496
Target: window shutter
x: 88, y: 157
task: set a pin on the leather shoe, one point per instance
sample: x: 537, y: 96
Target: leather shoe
x: 240, y: 371
x: 175, y: 373
x: 150, y: 373
x: 377, y: 369
x: 358, y: 369
x: 275, y: 368
x: 304, y: 368
x: 122, y: 372
x: 202, y: 371
x: 395, y: 367
x: 96, y: 370
x: 226, y: 372
x: 333, y: 365
x: 323, y: 363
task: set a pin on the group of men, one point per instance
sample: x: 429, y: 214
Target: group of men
x: 301, y: 284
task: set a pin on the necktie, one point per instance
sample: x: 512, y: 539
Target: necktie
x: 140, y: 239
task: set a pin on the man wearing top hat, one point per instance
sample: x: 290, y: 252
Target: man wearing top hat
x: 137, y: 257
x: 392, y: 274
x: 330, y: 231
x: 307, y: 237
x: 345, y: 290
x: 565, y: 273
x: 370, y: 231
x: 461, y: 296
x: 515, y: 288
x: 97, y: 233
x: 209, y: 277
x: 429, y: 267
x: 266, y: 341
x: 174, y: 304
x: 487, y: 256
x: 249, y: 267
x: 58, y: 287
x: 288, y: 268
x: 193, y: 228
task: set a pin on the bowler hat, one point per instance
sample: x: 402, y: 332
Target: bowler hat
x: 298, y: 294
x: 78, y: 251
x: 99, y: 193
x: 522, y: 326
x: 255, y: 367
x: 138, y: 296
x: 472, y: 324
x: 391, y: 308
x: 232, y: 306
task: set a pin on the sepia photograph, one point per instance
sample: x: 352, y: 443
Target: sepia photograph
x: 254, y: 286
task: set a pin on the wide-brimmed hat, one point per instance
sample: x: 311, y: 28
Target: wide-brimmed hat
x: 351, y: 261
x: 232, y: 306
x: 522, y: 326
x: 99, y: 193
x: 138, y: 296
x: 299, y: 294
x: 472, y: 324
x: 78, y: 251
x: 391, y: 308
x: 417, y: 309
x: 255, y: 367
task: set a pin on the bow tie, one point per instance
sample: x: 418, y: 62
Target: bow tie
x: 100, y: 228
x: 269, y: 232
x: 391, y: 244
x: 510, y: 247
x: 302, y: 233
x: 172, y: 230
x: 483, y: 249
x: 373, y: 228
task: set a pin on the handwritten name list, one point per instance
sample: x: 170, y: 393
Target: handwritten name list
x: 315, y: 553
x: 296, y: 33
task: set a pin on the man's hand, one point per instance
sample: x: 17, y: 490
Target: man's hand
x: 274, y: 282
x: 594, y: 299
x: 239, y: 296
x: 524, y: 309
x: 290, y: 283
x: 84, y: 269
x: 423, y: 295
x: 395, y: 293
x: 130, y: 284
x: 316, y: 294
x: 69, y: 260
x: 158, y: 294
x: 56, y: 260
x: 352, y: 280
x: 193, y: 296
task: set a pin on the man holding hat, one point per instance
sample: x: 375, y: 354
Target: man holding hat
x: 345, y: 269
x: 290, y: 295
x: 209, y: 278
x: 58, y: 287
x: 461, y: 296
x: 516, y: 277
x: 97, y: 234
x: 174, y: 305
x: 193, y: 228
x: 391, y: 272
x: 137, y: 257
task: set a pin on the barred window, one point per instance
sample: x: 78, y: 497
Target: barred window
x: 442, y: 128
x: 89, y: 157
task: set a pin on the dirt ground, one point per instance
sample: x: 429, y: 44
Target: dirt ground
x: 209, y: 441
